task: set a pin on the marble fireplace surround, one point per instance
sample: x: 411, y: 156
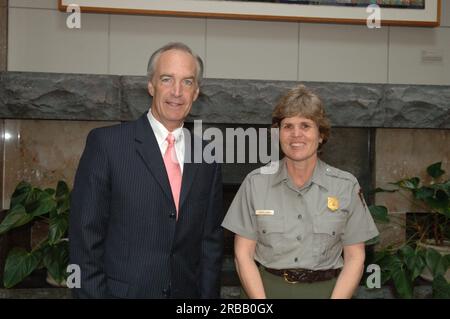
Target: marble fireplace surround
x: 56, y: 96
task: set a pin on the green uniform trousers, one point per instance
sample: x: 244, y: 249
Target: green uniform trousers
x: 277, y: 288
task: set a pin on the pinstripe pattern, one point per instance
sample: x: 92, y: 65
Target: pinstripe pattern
x: 122, y: 231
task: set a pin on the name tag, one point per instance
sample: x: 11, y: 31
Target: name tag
x: 264, y: 212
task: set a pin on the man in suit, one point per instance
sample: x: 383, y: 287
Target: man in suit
x: 145, y: 219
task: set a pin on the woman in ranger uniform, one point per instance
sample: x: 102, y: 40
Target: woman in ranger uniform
x: 292, y: 226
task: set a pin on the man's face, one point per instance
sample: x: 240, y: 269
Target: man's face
x: 299, y: 138
x: 174, y: 87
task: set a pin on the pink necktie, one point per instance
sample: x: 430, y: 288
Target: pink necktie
x: 173, y: 169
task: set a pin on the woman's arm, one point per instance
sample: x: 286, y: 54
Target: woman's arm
x: 244, y: 250
x: 352, y: 272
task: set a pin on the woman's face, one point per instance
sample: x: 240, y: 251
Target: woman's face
x: 299, y: 138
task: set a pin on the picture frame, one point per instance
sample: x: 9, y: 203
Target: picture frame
x: 335, y: 12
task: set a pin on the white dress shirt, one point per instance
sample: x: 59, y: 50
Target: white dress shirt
x: 161, y: 134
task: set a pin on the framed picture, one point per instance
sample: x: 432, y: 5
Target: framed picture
x: 392, y: 12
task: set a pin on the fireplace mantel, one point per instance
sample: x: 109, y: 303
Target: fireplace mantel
x: 30, y: 95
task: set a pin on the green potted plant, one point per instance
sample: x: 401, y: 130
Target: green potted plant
x: 52, y: 207
x: 426, y: 251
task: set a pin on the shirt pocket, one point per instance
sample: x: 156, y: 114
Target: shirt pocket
x: 271, y: 232
x: 327, y: 238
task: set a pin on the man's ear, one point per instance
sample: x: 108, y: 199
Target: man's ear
x: 151, y: 88
x: 197, y: 92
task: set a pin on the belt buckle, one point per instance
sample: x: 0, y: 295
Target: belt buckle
x: 285, y: 276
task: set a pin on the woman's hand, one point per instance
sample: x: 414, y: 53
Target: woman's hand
x: 244, y: 250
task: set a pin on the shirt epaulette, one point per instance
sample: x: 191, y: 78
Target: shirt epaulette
x: 256, y: 171
x: 259, y: 170
x: 338, y: 173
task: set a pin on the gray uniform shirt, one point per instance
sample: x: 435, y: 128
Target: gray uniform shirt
x: 301, y: 227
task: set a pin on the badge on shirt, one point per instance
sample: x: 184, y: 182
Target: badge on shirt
x: 333, y: 203
x: 264, y: 212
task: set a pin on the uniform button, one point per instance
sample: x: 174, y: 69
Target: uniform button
x: 172, y: 215
x: 264, y: 231
x: 300, y: 216
x: 334, y: 233
x: 299, y: 237
x: 296, y: 259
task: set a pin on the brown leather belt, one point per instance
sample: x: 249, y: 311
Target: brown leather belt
x: 294, y: 276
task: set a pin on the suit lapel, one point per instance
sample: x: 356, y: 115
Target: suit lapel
x: 189, y: 169
x: 148, y: 149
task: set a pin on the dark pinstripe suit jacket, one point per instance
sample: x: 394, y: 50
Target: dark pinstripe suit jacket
x: 123, y: 233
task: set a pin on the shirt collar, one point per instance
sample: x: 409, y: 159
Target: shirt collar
x: 160, y: 130
x: 318, y: 176
x: 280, y: 175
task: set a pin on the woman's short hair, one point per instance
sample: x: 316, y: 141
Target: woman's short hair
x: 174, y: 46
x: 300, y: 101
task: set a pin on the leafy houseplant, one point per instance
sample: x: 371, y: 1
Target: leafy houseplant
x: 421, y: 251
x: 432, y: 198
x: 51, y: 206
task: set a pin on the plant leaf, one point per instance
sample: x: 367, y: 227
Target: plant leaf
x: 379, y: 214
x: 424, y: 193
x: 435, y: 170
x: 440, y: 202
x: 16, y: 216
x: 19, y: 264
x: 57, y: 228
x: 44, y: 206
x: 50, y: 191
x: 62, y: 189
x: 407, y: 251
x: 56, y: 260
x: 413, y: 261
x: 411, y: 183
x: 402, y: 283
x: 441, y: 288
x: 21, y: 194
x: 419, y: 266
x: 447, y: 261
x: 442, y: 186
x: 64, y: 205
x: 384, y: 260
x: 435, y: 262
x: 445, y: 187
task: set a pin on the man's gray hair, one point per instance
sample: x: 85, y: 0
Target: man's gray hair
x: 174, y: 46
